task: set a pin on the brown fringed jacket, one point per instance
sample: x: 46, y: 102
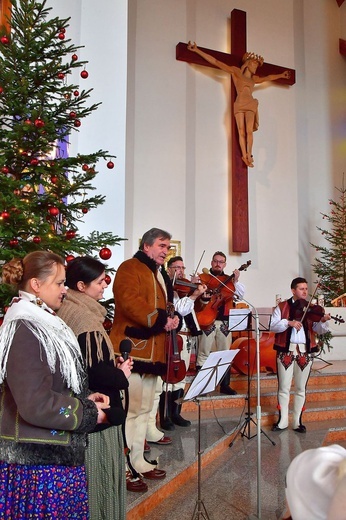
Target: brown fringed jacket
x: 141, y: 312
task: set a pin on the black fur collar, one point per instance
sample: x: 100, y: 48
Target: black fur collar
x: 145, y: 259
x: 152, y: 265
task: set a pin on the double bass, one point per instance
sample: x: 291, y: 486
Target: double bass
x: 222, y: 291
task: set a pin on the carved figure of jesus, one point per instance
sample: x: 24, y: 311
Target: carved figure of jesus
x: 245, y: 105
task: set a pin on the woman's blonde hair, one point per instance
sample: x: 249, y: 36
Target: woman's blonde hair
x: 38, y: 264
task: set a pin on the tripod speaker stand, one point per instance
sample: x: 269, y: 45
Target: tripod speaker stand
x: 245, y: 428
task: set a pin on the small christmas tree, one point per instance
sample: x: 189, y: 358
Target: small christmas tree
x: 330, y: 267
x: 44, y: 192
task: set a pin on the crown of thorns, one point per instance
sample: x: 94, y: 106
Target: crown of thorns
x: 252, y: 56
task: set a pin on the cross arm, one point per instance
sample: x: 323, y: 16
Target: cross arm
x: 342, y: 47
x: 268, y: 68
x: 183, y: 54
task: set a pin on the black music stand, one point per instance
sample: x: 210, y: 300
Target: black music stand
x: 206, y: 380
x: 240, y: 320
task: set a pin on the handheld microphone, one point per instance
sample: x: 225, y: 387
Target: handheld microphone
x: 206, y: 271
x: 125, y: 348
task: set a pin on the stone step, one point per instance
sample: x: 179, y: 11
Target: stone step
x: 325, y: 414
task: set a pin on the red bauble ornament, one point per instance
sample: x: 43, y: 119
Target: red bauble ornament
x: 1, y: 90
x: 108, y: 279
x: 74, y: 57
x: 84, y: 74
x: 76, y: 93
x: 27, y: 122
x: 85, y: 210
x: 69, y: 258
x: 36, y: 240
x: 61, y: 36
x: 110, y: 165
x: 4, y: 40
x: 105, y: 253
x: 53, y: 211
x: 14, y: 242
x: 85, y: 167
x: 39, y: 123
x: 5, y: 170
x: 5, y: 215
x: 34, y: 162
x: 72, y: 114
x: 77, y: 123
x: 70, y: 234
x: 107, y: 324
x: 61, y: 75
x: 62, y: 30
x: 54, y: 179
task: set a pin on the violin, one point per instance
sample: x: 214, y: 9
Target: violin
x: 303, y: 309
x: 183, y: 287
x: 222, y: 290
x: 176, y: 367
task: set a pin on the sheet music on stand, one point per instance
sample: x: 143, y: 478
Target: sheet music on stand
x: 211, y: 373
x: 242, y: 319
x: 265, y: 318
x: 239, y: 319
x: 206, y: 380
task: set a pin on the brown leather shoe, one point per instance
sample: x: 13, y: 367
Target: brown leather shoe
x: 154, y: 474
x: 163, y: 440
x: 137, y: 485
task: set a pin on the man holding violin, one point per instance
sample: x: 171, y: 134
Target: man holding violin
x: 142, y: 290
x: 295, y: 343
x: 214, y: 318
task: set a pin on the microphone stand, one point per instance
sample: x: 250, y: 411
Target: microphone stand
x: 258, y: 413
x: 258, y: 408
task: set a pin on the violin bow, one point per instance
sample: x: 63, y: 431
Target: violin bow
x: 309, y: 303
x: 199, y: 263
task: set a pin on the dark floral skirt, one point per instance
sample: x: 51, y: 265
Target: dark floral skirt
x: 47, y: 492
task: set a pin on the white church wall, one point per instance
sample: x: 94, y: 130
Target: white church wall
x: 177, y: 128
x: 191, y: 104
x: 294, y: 160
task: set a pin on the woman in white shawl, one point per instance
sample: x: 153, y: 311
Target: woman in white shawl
x: 45, y: 410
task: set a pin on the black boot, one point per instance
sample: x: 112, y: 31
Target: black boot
x: 165, y: 411
x: 176, y: 409
x: 224, y: 385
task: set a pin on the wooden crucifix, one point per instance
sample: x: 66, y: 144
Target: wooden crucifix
x: 5, y: 13
x: 238, y: 178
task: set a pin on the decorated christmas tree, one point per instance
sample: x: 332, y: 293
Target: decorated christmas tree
x: 44, y: 192
x: 330, y: 266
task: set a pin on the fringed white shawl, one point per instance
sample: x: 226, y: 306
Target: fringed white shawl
x: 55, y: 338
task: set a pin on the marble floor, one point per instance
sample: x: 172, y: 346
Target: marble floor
x: 241, y: 481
